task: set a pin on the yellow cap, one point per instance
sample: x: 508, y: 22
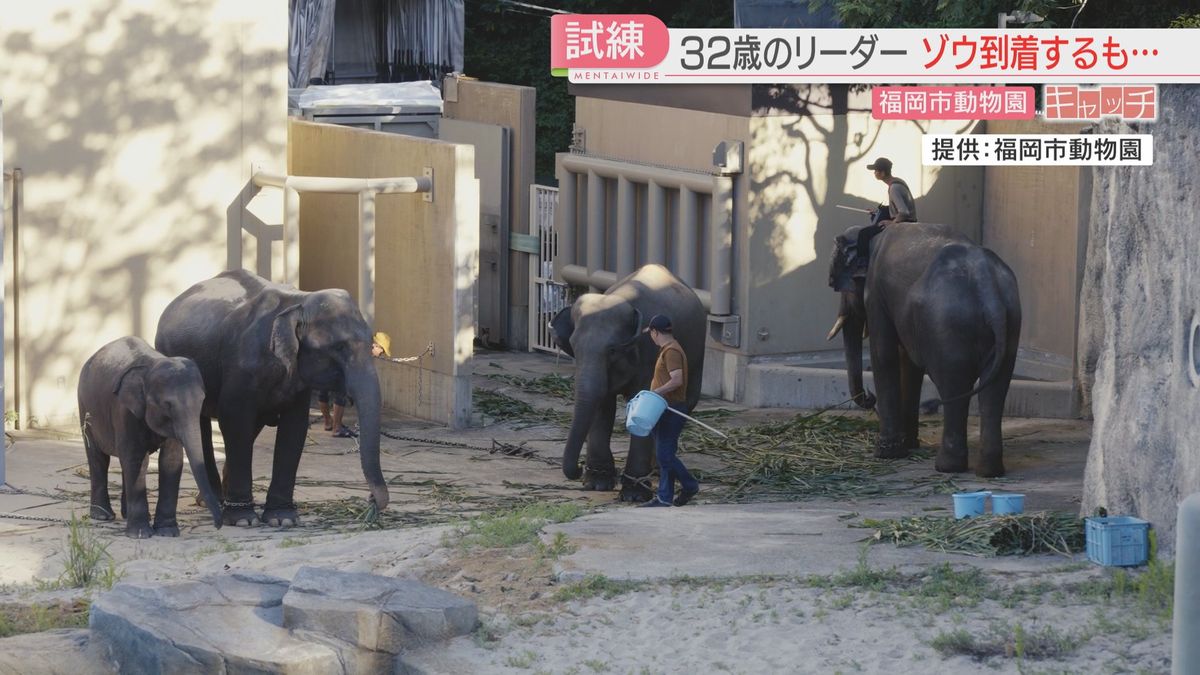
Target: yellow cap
x: 383, y: 340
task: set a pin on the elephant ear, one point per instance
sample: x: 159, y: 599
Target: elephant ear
x: 563, y: 326
x: 285, y: 338
x: 130, y: 391
x: 841, y: 263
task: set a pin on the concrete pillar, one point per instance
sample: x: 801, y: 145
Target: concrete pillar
x: 291, y: 235
x: 656, y: 223
x: 565, y: 224
x: 626, y: 221
x: 1185, y: 655
x: 595, y: 225
x: 685, y: 237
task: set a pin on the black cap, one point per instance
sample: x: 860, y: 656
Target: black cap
x: 882, y: 164
x: 660, y: 323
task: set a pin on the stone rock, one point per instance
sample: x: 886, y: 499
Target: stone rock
x: 374, y: 613
x: 1140, y: 305
x: 226, y: 624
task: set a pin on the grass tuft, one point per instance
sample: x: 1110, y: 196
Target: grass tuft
x: 1009, y: 641
x: 596, y: 585
x: 88, y: 563
x: 515, y: 527
x: 20, y: 619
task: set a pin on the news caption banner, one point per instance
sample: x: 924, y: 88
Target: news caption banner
x: 640, y: 48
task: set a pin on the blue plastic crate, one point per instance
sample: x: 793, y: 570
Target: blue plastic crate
x: 1118, y: 541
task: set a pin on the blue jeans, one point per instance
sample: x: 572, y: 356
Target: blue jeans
x: 666, y: 443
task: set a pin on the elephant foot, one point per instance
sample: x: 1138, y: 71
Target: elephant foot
x: 990, y: 469
x: 947, y: 463
x: 638, y: 490
x: 139, y: 531
x: 912, y: 443
x: 599, y: 480
x: 101, y: 512
x: 890, y: 449
x: 240, y: 514
x: 166, y: 528
x: 282, y: 517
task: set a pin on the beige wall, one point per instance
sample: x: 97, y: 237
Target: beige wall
x: 801, y: 168
x: 1032, y: 221
x: 513, y: 107
x: 426, y: 256
x: 135, y: 124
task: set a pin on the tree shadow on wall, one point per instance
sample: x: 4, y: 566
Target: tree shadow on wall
x: 825, y: 124
x: 128, y: 110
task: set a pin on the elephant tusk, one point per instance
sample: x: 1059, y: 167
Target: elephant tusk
x: 837, y: 327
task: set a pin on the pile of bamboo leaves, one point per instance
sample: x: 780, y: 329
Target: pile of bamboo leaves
x: 987, y: 535
x: 505, y: 408
x: 559, y: 386
x: 816, y: 455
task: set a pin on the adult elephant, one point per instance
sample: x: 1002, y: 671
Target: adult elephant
x: 261, y: 348
x: 603, y: 332
x: 934, y: 303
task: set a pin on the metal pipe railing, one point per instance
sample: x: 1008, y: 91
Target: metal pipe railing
x: 366, y: 189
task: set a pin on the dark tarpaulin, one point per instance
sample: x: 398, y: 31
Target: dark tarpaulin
x: 310, y: 29
x: 397, y: 40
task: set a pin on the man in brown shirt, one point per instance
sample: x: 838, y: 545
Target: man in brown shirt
x: 670, y: 381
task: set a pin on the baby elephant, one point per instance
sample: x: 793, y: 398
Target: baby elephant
x: 133, y: 401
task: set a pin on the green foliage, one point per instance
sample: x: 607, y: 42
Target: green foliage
x: 88, y: 563
x: 516, y: 527
x: 983, y: 13
x: 20, y: 619
x: 1011, y: 641
x: 596, y: 585
x: 508, y: 45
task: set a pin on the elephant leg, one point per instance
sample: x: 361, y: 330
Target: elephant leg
x: 991, y: 410
x: 238, y: 429
x: 101, y: 507
x: 133, y: 475
x: 885, y: 365
x: 635, y: 481
x: 280, y: 510
x: 952, y: 457
x: 170, y: 468
x: 599, y: 470
x: 911, y: 379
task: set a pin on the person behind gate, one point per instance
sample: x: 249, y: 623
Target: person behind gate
x: 670, y: 381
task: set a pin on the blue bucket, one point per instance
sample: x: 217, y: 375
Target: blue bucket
x: 643, y: 412
x: 1008, y: 503
x: 967, y: 504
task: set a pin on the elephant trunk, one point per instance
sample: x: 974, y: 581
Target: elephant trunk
x: 362, y: 385
x: 194, y: 449
x: 590, y: 387
x: 852, y: 341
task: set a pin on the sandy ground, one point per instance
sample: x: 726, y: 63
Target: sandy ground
x: 672, y: 621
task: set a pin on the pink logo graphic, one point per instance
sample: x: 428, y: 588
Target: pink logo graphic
x: 1072, y: 102
x: 952, y: 103
x: 607, y: 41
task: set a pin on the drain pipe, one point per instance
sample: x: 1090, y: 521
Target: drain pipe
x: 1185, y: 654
x: 366, y: 189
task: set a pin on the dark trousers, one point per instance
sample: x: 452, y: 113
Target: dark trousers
x: 666, y: 444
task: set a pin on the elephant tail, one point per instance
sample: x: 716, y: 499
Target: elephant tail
x: 996, y: 317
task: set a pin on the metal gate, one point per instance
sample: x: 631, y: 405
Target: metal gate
x: 546, y: 296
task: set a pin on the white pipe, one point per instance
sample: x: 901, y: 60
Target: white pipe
x: 366, y: 256
x: 344, y: 185
x: 697, y: 422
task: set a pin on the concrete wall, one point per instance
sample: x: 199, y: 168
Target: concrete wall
x: 1141, y: 323
x: 801, y: 168
x: 135, y: 124
x: 515, y: 108
x: 1035, y: 220
x: 426, y: 256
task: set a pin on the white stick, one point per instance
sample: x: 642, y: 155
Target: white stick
x: 851, y: 208
x: 698, y: 422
